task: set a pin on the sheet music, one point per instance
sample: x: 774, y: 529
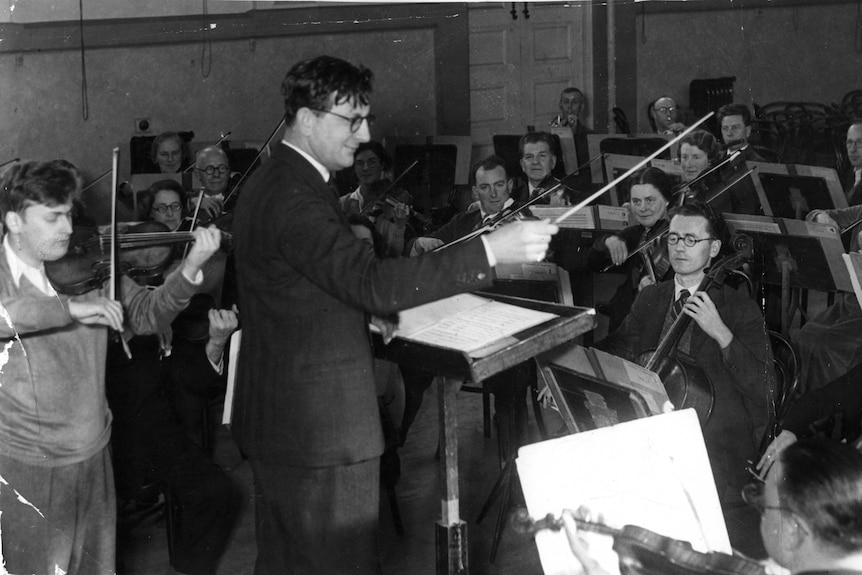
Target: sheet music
x: 466, y: 322
x: 652, y: 472
x: 583, y: 219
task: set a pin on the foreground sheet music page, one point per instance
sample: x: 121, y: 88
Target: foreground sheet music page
x: 466, y: 322
x: 651, y: 472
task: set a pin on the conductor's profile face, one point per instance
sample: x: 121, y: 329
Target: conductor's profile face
x: 331, y: 138
x: 492, y: 189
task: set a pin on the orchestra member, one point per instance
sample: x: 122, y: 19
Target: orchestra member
x: 213, y: 170
x: 572, y: 104
x: 57, y: 502
x: 662, y: 114
x: 698, y: 151
x: 735, y: 123
x: 727, y: 340
x: 830, y: 344
x: 306, y: 411
x: 649, y: 200
x: 390, y: 219
x: 169, y: 153
x: 538, y: 159
x: 853, y: 178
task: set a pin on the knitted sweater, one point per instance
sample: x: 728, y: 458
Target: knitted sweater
x: 53, y: 409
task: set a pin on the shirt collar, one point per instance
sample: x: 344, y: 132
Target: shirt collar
x: 18, y: 268
x: 508, y: 203
x: 317, y: 165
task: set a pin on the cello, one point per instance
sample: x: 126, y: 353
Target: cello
x: 686, y: 383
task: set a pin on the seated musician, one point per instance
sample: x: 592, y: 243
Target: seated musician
x: 727, y: 340
x: 852, y: 178
x: 662, y: 114
x: 157, y: 398
x: 830, y: 344
x: 572, y: 105
x: 650, y: 196
x: 170, y: 153
x: 391, y: 217
x: 538, y: 159
x: 809, y: 504
x: 698, y: 151
x: 213, y: 170
x: 735, y: 122
x: 57, y: 505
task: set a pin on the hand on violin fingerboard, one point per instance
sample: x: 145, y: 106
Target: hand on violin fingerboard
x: 102, y: 311
x: 207, y: 242
x: 702, y: 310
x: 579, y: 547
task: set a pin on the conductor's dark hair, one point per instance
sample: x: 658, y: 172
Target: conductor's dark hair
x: 734, y: 110
x: 28, y: 183
x: 822, y: 484
x: 657, y: 179
x: 715, y: 223
x: 323, y: 82
x: 489, y: 163
x: 706, y: 142
x: 535, y: 138
x: 379, y: 151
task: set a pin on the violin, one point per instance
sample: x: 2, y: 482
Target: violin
x: 145, y: 251
x: 686, y: 383
x: 643, y: 551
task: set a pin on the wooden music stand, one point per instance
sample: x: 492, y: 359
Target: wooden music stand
x: 791, y: 191
x: 795, y: 255
x: 454, y: 367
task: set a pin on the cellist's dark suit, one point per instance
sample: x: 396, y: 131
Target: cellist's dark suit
x: 743, y: 374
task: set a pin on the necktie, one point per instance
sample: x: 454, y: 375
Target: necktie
x: 677, y: 305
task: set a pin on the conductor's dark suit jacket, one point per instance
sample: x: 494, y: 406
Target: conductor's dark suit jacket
x: 743, y: 375
x: 305, y: 381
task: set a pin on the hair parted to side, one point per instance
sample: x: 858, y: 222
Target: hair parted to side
x: 535, y: 138
x: 657, y: 179
x: 705, y: 142
x: 488, y: 164
x: 734, y: 110
x: 378, y: 150
x: 715, y: 222
x: 323, y: 82
x: 822, y: 484
x: 164, y: 137
x: 27, y: 183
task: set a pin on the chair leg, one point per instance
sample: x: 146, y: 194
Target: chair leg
x: 486, y: 412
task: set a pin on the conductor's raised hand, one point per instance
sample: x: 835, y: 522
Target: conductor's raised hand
x: 521, y: 241
x: 207, y: 242
x: 102, y: 311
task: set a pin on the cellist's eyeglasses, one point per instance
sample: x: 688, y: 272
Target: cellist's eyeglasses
x: 355, y: 121
x: 165, y: 208
x: 689, y: 240
x: 210, y: 170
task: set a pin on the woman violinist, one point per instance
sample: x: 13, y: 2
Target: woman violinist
x: 650, y: 196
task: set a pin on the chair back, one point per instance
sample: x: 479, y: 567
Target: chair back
x: 786, y: 362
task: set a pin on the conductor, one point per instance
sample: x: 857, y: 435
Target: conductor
x: 306, y: 409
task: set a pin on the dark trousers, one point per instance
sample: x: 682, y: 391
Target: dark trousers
x: 58, y: 518
x: 316, y: 521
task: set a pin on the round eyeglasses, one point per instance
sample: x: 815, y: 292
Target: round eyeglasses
x: 210, y: 170
x: 666, y: 109
x: 689, y: 240
x: 165, y: 208
x: 355, y: 121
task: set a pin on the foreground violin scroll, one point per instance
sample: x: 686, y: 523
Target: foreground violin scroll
x: 640, y: 549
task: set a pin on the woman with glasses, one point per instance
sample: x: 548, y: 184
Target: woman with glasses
x: 650, y: 196
x: 371, y: 162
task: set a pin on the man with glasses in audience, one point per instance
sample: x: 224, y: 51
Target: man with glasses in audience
x: 662, y: 114
x: 726, y: 339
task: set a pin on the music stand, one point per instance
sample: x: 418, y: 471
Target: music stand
x: 795, y: 255
x: 791, y: 191
x: 641, y: 145
x: 453, y: 367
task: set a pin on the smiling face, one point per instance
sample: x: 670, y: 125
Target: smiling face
x: 537, y: 161
x: 169, y: 156
x: 215, y: 160
x: 647, y: 204
x: 492, y: 189
x: 368, y: 167
x: 41, y: 233
x: 689, y: 262
x: 693, y: 161
x: 329, y: 138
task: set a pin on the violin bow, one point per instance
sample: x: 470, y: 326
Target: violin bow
x: 508, y: 214
x: 631, y: 170
x: 7, y: 162
x: 256, y: 158
x: 115, y: 282
x: 687, y: 187
x: 391, y: 186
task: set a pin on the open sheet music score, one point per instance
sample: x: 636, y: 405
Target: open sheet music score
x: 652, y: 472
x: 587, y: 218
x: 467, y: 323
